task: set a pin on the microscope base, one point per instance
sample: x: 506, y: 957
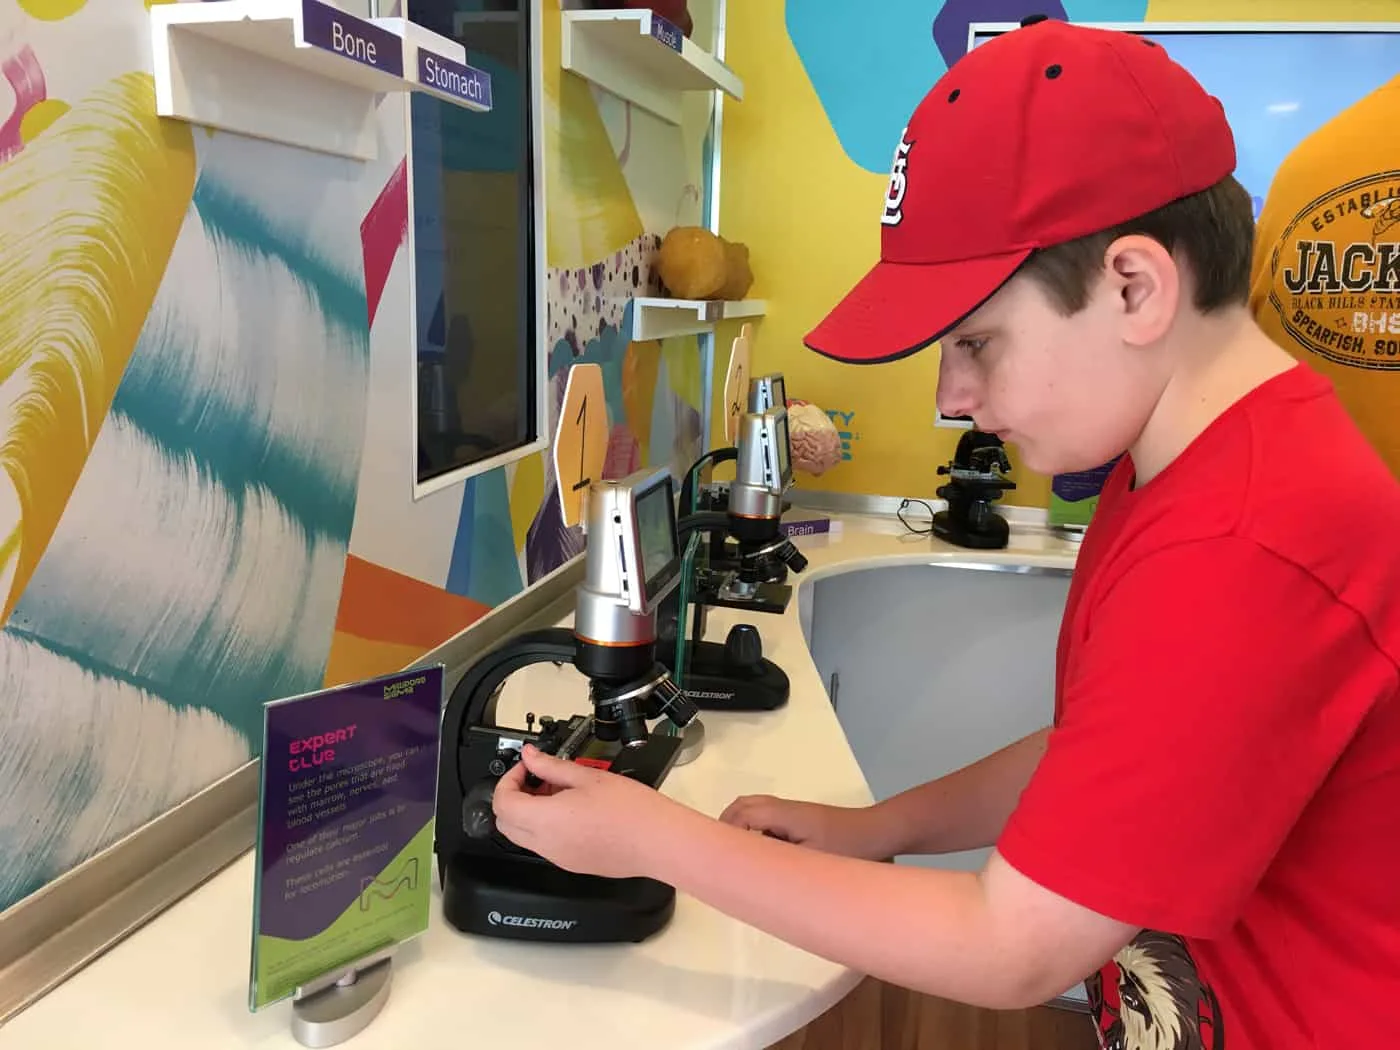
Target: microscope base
x: 712, y: 685
x: 995, y: 536
x: 527, y: 899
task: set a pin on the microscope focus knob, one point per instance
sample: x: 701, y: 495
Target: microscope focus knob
x: 478, y: 818
x: 743, y: 648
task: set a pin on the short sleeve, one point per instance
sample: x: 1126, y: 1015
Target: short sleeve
x: 1205, y: 700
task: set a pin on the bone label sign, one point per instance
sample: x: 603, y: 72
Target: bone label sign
x: 346, y: 805
x: 331, y: 29
x: 454, y: 79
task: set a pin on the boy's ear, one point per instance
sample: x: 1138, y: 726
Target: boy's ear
x: 1146, y: 280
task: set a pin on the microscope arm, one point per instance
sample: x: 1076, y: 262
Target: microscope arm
x: 701, y: 521
x: 715, y: 456
x: 473, y: 702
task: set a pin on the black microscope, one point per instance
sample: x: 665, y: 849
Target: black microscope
x: 976, y: 480
x: 492, y: 887
x: 734, y: 675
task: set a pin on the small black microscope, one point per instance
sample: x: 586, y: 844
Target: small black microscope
x: 492, y: 887
x: 976, y: 480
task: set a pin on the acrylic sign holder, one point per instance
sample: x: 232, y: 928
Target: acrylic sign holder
x: 341, y: 1005
x: 346, y: 809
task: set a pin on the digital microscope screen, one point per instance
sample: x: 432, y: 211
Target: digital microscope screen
x: 784, y: 450
x: 779, y: 395
x: 656, y: 533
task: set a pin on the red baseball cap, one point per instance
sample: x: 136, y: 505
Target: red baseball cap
x: 1041, y: 135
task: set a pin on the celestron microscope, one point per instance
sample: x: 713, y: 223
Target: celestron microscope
x: 492, y: 887
x: 765, y: 392
x: 976, y: 480
x: 734, y: 674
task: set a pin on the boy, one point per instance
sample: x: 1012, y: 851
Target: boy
x: 1211, y: 829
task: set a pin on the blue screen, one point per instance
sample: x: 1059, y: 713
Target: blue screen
x: 1276, y: 86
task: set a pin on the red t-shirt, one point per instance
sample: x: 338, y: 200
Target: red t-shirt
x: 1224, y: 770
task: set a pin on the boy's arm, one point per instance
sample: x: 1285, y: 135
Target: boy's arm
x: 1181, y: 765
x: 992, y: 939
x: 966, y: 809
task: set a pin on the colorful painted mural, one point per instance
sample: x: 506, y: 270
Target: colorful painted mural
x: 828, y: 85
x: 205, y: 416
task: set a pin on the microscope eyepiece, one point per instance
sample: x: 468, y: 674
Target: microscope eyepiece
x: 632, y: 560
x: 763, y: 469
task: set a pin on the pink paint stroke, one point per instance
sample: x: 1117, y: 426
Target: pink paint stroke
x: 26, y: 78
x: 383, y: 230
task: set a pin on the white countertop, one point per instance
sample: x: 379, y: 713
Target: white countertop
x: 706, y: 982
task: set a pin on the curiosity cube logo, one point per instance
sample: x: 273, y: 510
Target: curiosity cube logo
x: 844, y: 430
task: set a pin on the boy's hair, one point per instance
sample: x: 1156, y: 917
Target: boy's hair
x: 1211, y: 231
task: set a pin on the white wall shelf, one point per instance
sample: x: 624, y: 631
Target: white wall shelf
x: 642, y: 58
x: 660, y: 318
x: 299, y: 72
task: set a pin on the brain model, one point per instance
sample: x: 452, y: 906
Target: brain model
x: 816, y: 445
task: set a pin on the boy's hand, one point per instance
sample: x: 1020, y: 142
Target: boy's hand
x: 832, y: 829
x: 581, y: 819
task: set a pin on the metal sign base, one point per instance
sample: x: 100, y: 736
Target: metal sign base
x: 342, y: 1004
x: 692, y: 740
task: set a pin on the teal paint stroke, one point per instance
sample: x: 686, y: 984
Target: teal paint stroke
x: 265, y: 382
x: 871, y: 64
x: 484, y: 565
x: 202, y: 552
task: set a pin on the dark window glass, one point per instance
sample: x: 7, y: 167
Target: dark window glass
x: 473, y: 187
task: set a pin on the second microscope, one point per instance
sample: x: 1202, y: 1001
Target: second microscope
x: 734, y: 674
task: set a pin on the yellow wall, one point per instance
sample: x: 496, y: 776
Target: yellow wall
x: 810, y: 219
x: 808, y: 213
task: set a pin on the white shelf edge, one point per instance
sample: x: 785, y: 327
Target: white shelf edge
x: 616, y: 50
x: 655, y: 317
x: 248, y: 67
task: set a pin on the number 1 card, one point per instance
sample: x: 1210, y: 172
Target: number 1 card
x: 580, y: 440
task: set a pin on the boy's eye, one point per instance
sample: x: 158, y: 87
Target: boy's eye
x: 971, y: 345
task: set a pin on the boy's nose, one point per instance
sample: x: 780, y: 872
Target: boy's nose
x: 954, y: 397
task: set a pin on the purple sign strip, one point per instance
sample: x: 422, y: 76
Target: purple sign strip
x: 452, y: 78
x: 331, y: 29
x: 667, y: 33
x: 806, y: 527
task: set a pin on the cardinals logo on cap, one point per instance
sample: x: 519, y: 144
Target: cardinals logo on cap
x: 899, y: 182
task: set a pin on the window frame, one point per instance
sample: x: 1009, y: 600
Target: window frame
x: 539, y: 306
